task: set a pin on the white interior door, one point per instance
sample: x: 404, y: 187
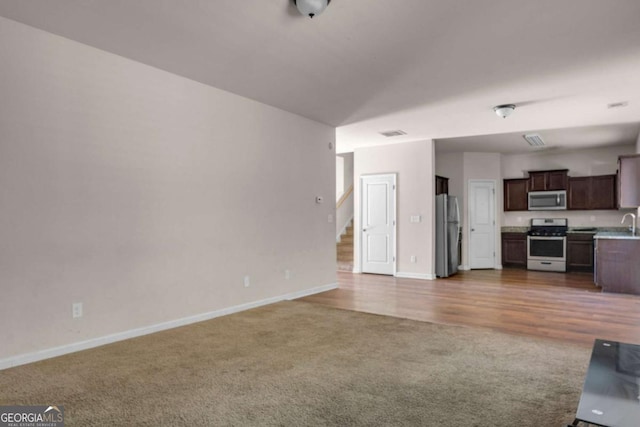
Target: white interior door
x: 378, y: 224
x: 482, y: 224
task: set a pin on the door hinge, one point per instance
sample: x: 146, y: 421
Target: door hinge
x: 394, y: 187
x: 394, y: 259
x: 494, y: 190
x: 394, y: 222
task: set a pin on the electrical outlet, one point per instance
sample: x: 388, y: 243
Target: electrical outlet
x: 247, y: 281
x: 287, y: 274
x: 76, y: 310
x: 413, y: 259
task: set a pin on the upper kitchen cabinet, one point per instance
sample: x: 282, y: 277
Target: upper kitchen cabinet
x: 629, y: 181
x: 603, y: 192
x: 592, y: 192
x: 548, y: 180
x: 442, y: 185
x: 515, y: 194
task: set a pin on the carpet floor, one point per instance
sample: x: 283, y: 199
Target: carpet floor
x: 301, y: 364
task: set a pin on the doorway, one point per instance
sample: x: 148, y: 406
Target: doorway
x: 482, y: 224
x: 378, y: 224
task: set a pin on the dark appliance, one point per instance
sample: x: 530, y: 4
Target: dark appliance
x: 447, y: 235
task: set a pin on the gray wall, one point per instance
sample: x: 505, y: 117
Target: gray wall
x: 145, y: 195
x: 413, y: 162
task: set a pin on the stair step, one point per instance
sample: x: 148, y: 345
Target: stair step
x: 344, y: 250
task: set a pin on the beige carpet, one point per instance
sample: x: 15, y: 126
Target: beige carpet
x: 297, y: 364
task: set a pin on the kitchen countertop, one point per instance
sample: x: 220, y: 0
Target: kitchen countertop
x: 508, y: 229
x: 619, y: 231
x: 616, y: 235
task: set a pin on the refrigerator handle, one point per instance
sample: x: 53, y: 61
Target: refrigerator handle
x: 459, y: 228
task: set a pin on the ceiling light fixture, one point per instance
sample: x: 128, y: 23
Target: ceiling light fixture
x: 311, y: 8
x: 391, y: 133
x: 618, y: 104
x: 505, y: 110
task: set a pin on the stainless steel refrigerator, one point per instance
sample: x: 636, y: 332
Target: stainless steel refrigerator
x: 447, y: 235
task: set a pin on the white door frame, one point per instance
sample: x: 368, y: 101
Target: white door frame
x: 394, y: 209
x: 496, y: 264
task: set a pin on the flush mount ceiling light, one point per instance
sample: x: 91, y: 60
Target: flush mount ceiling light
x: 311, y: 8
x: 505, y: 110
x: 620, y: 104
x: 391, y: 133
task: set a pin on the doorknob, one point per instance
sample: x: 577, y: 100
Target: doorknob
x: 473, y: 229
x: 364, y: 229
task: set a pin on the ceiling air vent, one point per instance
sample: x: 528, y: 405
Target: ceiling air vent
x: 618, y: 104
x: 391, y: 133
x: 534, y: 139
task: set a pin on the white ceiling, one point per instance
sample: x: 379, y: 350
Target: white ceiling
x: 565, y: 139
x: 433, y: 68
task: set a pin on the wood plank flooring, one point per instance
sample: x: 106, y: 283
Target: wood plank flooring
x: 561, y: 306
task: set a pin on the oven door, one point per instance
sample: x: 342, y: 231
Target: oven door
x: 547, y: 253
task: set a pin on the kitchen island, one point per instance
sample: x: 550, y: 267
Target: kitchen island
x: 617, y: 262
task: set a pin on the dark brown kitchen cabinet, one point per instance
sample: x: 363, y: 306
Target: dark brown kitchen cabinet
x: 548, y: 180
x: 514, y: 250
x: 617, y: 266
x: 592, y: 192
x: 580, y: 252
x: 579, y: 192
x: 442, y: 185
x: 629, y: 181
x: 515, y: 194
x: 603, y: 192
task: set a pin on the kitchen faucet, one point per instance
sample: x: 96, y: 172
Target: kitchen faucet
x: 633, y: 222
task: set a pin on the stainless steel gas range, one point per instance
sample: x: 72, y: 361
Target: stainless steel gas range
x: 547, y: 244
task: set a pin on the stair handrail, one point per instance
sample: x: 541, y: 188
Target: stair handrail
x: 344, y: 196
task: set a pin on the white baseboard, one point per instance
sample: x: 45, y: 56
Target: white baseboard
x: 421, y: 276
x: 306, y: 292
x: 464, y: 267
x: 498, y: 267
x: 356, y: 270
x: 23, y: 359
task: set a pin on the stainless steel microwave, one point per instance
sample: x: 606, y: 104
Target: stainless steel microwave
x: 548, y: 200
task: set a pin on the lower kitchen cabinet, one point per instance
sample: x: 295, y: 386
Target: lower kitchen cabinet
x: 580, y: 252
x: 514, y: 250
x: 617, y: 266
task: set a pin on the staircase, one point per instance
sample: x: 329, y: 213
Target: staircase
x: 345, y: 250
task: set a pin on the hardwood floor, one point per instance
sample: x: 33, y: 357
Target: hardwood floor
x: 554, y: 305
